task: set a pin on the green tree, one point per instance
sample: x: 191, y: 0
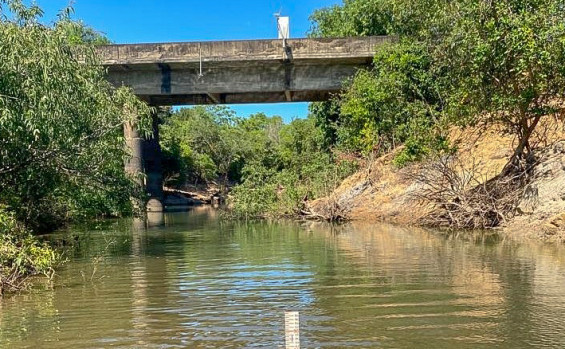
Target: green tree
x: 77, y: 33
x: 61, y: 142
x: 353, y: 18
x: 398, y: 102
x: 327, y: 117
x: 505, y: 63
x: 207, y: 140
x: 489, y: 62
x: 62, y: 148
x: 21, y: 255
x: 294, y: 166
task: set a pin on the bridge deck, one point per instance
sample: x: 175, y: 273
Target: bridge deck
x: 248, y: 71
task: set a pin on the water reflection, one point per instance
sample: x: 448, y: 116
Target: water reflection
x: 138, y: 284
x: 155, y: 219
x: 201, y: 283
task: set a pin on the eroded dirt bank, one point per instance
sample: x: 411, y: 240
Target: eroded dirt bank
x: 382, y: 192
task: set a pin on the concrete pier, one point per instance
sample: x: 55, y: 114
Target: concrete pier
x: 144, y: 164
x: 153, y: 169
x: 134, y: 143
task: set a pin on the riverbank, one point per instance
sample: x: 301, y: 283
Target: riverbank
x: 195, y: 195
x: 382, y: 192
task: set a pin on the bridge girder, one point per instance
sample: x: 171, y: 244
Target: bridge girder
x: 232, y: 72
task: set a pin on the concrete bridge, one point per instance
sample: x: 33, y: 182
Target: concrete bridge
x: 228, y: 72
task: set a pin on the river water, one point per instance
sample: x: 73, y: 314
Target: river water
x: 199, y: 282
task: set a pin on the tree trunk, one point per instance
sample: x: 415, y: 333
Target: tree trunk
x: 524, y: 144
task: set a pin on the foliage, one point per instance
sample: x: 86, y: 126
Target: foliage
x: 505, y: 64
x: 258, y: 192
x: 21, y: 256
x: 295, y: 169
x: 274, y: 166
x: 407, y: 19
x: 454, y: 63
x: 353, y: 18
x: 204, y: 141
x: 77, y: 33
x: 398, y: 102
x: 61, y: 141
x: 327, y: 117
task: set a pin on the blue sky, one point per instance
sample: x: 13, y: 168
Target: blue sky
x: 128, y: 21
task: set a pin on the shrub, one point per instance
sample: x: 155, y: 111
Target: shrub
x: 21, y: 255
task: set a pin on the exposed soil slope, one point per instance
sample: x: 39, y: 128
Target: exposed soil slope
x: 383, y: 192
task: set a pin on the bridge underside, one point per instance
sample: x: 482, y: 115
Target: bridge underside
x: 271, y: 81
x: 238, y: 98
x: 233, y: 72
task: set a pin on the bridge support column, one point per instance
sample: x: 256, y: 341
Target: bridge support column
x: 145, y: 158
x: 153, y: 169
x: 134, y: 164
x: 134, y: 143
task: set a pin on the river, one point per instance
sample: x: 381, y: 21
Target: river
x: 200, y: 282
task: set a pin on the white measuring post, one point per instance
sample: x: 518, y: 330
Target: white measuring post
x: 283, y: 28
x: 292, y: 329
